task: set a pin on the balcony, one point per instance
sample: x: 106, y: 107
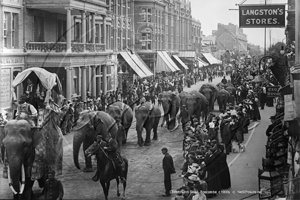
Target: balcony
x: 62, y: 47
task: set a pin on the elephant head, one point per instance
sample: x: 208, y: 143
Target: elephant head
x: 89, y: 125
x: 170, y: 103
x: 19, y: 144
x: 114, y: 111
x: 142, y: 115
x: 208, y: 93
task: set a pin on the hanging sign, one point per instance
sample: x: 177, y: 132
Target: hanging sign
x: 272, y: 91
x: 262, y: 16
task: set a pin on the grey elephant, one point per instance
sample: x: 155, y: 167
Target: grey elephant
x: 147, y: 116
x: 210, y: 91
x: 122, y: 111
x: 31, y: 151
x: 171, y: 106
x: 223, y: 98
x: 89, y: 125
x: 195, y: 103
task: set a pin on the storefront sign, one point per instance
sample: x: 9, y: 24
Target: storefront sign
x: 11, y: 60
x: 265, y: 189
x: 272, y: 91
x: 5, y: 88
x: 262, y: 16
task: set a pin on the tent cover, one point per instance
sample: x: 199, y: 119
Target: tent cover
x: 48, y: 80
x: 211, y: 59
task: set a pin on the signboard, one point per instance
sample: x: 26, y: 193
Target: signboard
x: 262, y: 16
x: 5, y: 88
x: 272, y: 91
x: 265, y: 189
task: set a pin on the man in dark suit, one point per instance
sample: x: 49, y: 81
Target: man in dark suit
x: 53, y: 188
x: 168, y: 167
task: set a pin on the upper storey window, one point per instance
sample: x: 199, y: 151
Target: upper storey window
x: 146, y: 14
x: 10, y: 30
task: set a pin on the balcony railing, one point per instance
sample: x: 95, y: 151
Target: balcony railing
x: 62, y: 46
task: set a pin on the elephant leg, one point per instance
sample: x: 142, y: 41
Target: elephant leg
x: 27, y: 193
x: 88, y: 160
x: 155, y: 125
x: 148, y: 133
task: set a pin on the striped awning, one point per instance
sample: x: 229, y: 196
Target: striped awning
x: 211, y: 59
x: 180, y: 61
x: 187, y: 54
x: 136, y: 64
x: 201, y: 63
x: 165, y: 63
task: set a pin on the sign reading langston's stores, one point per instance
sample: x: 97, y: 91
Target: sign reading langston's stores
x: 262, y: 16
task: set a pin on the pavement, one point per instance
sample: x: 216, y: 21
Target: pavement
x: 145, y: 176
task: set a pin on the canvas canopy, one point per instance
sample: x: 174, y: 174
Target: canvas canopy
x: 48, y: 80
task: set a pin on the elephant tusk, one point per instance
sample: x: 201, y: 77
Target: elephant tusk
x: 176, y: 126
x: 9, y: 181
x: 23, y: 179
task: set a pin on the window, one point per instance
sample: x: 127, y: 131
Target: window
x: 97, y: 33
x: 38, y: 29
x: 61, y: 30
x: 5, y: 27
x: 10, y: 30
x: 77, y: 32
x: 146, y: 41
x: 146, y: 15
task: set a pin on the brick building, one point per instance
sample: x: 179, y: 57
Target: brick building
x: 89, y: 44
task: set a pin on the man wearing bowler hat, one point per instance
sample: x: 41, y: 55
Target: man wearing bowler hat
x: 53, y: 188
x: 168, y: 167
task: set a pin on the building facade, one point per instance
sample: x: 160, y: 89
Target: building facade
x: 230, y: 37
x: 81, y: 41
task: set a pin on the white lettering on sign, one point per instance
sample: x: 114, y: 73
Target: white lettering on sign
x: 5, y: 88
x: 257, y: 12
x: 261, y: 21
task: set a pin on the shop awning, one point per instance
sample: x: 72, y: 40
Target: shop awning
x: 201, y: 63
x: 140, y: 63
x: 137, y: 68
x: 180, y: 61
x: 187, y: 54
x: 165, y: 63
x: 211, y: 59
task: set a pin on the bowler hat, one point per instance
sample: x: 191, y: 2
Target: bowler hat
x: 164, y: 149
x: 51, y: 172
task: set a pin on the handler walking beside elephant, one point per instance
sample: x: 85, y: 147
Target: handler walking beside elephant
x: 53, y: 188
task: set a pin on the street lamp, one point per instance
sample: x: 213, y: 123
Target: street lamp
x: 282, y: 51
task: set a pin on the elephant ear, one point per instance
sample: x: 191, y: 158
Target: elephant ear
x: 85, y: 118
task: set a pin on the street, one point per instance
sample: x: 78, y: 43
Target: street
x: 145, y: 176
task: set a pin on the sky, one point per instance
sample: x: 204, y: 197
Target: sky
x: 212, y: 12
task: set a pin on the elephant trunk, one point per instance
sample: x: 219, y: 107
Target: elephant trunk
x: 77, y: 141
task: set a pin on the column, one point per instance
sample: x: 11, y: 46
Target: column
x: 104, y: 79
x: 93, y: 80
x: 98, y: 79
x: 69, y: 32
x: 83, y: 83
x: 93, y: 28
x: 1, y: 22
x: 104, y: 30
x: 68, y: 82
x: 132, y: 30
x: 83, y: 27
x: 126, y: 25
x: 88, y: 28
x: 109, y: 6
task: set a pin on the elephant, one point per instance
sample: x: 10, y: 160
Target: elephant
x: 171, y: 104
x: 147, y: 116
x: 210, y: 91
x: 122, y: 111
x: 195, y: 103
x: 223, y: 98
x: 232, y: 92
x: 88, y: 126
x: 31, y: 152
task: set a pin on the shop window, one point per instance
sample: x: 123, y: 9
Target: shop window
x: 39, y: 29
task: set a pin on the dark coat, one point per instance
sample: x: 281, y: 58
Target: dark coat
x: 224, y: 171
x: 212, y: 166
x: 53, y: 189
x: 168, y: 165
